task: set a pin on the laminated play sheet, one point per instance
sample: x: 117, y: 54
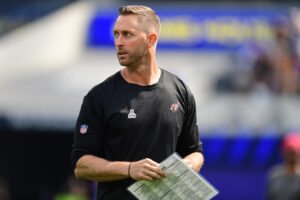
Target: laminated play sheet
x: 181, y: 182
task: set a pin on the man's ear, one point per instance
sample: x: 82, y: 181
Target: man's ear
x: 152, y: 39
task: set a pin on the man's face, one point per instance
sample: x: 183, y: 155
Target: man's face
x: 130, y: 40
x: 291, y: 156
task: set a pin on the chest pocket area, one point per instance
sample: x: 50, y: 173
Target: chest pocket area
x: 116, y: 122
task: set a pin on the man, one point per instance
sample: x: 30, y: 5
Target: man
x: 137, y: 117
x: 284, y: 179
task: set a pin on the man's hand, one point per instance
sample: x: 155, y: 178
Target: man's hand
x: 188, y: 162
x: 194, y: 160
x: 146, y: 169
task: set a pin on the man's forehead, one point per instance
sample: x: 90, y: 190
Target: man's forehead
x: 126, y: 21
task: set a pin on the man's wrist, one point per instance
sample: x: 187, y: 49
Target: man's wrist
x: 129, y: 176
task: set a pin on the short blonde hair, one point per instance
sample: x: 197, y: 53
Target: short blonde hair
x: 148, y: 17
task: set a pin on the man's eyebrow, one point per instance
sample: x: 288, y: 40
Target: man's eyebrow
x: 122, y: 31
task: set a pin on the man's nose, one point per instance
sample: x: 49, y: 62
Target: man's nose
x: 119, y: 41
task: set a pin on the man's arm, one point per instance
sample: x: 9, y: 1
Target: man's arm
x: 98, y: 169
x: 194, y: 160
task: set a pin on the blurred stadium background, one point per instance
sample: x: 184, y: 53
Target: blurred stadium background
x: 241, y: 59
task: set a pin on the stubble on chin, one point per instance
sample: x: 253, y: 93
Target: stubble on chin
x: 122, y: 63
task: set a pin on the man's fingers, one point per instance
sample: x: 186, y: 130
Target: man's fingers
x: 160, y: 173
x: 148, y: 178
x: 146, y: 169
x: 188, y: 162
x: 151, y: 162
x: 154, y: 175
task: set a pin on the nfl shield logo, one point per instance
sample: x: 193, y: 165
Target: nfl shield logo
x: 83, y: 128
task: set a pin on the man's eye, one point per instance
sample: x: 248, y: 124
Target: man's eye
x: 116, y: 35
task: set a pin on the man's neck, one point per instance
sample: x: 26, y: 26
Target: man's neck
x: 142, y: 75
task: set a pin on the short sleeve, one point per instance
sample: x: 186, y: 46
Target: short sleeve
x: 189, y: 141
x: 88, y: 130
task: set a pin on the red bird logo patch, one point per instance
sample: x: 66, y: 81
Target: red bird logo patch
x: 174, y: 107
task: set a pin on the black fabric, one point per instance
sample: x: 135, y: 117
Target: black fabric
x: 165, y: 122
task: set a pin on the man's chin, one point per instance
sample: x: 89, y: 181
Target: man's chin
x: 123, y: 63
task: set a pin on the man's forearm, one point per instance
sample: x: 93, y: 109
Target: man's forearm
x: 98, y: 169
x: 196, y: 159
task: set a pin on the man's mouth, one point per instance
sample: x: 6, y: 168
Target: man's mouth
x: 122, y: 53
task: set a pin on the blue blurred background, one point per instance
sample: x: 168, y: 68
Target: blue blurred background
x: 240, y: 58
